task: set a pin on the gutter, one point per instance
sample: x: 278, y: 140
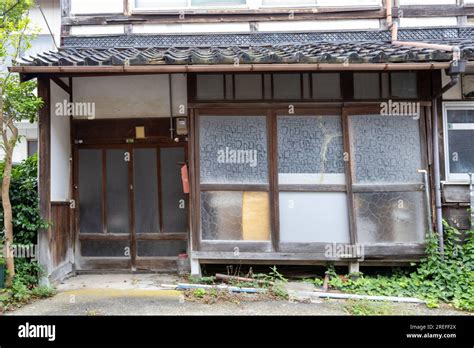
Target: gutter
x: 456, y: 68
x: 165, y: 69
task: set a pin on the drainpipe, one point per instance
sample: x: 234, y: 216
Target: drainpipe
x: 455, y: 70
x: 393, y: 25
x: 456, y: 67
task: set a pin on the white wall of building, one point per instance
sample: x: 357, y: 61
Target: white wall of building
x: 52, y: 12
x: 60, y: 149
x: 130, y: 96
x: 95, y: 6
x: 418, y: 22
x: 26, y: 131
x: 42, y: 42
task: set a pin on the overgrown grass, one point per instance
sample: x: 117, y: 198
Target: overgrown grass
x: 364, y: 307
x: 19, y: 294
x: 448, y: 279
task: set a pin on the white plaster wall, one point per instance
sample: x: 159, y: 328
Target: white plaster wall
x: 427, y: 2
x: 60, y: 148
x: 26, y: 131
x: 191, y: 28
x: 125, y: 96
x: 330, y: 3
x: 97, y: 29
x: 52, y: 12
x: 96, y: 6
x: 418, y: 22
x: 455, y: 92
x: 180, y: 94
x: 319, y: 25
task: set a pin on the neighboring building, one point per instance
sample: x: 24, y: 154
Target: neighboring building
x: 43, y: 42
x: 300, y: 127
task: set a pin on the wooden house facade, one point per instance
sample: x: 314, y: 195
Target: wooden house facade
x: 303, y: 146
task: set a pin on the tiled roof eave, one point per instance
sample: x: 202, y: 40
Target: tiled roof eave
x: 314, y: 53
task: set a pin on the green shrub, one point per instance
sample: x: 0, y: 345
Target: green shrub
x: 26, y: 223
x: 25, y: 202
x: 437, y: 279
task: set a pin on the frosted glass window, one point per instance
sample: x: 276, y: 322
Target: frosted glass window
x: 161, y: 248
x: 390, y: 217
x: 267, y: 84
x: 233, y: 150
x: 404, y: 85
x: 235, y: 215
x: 349, y: 2
x: 386, y: 149
x: 117, y: 190
x: 90, y: 191
x: 287, y: 86
x: 146, y: 191
x: 326, y: 86
x: 310, y: 150
x: 314, y: 217
x: 277, y: 3
x: 366, y: 86
x: 210, y: 86
x: 461, y: 151
x: 105, y: 248
x: 175, y: 210
x: 460, y: 142
x: 460, y: 116
x: 385, y: 85
x: 215, y: 3
x: 229, y: 87
x: 144, y: 4
x: 248, y: 87
x: 306, y: 86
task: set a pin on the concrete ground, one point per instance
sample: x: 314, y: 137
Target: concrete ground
x: 143, y: 294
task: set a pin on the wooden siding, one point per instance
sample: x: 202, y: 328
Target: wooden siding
x: 62, y: 236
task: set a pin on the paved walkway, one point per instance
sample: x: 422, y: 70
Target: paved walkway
x: 142, y: 294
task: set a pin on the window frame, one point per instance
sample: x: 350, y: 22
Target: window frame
x: 453, y: 178
x: 188, y: 7
x: 305, y: 250
x: 28, y: 147
x: 230, y: 245
x: 253, y: 5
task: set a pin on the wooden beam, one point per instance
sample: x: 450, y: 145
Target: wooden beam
x: 63, y: 86
x: 266, y: 15
x: 44, y: 174
x: 65, y: 13
x: 190, y: 17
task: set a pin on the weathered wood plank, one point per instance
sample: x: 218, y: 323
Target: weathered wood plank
x: 457, y: 216
x: 264, y: 15
x: 44, y: 174
x: 456, y: 193
x: 62, y: 236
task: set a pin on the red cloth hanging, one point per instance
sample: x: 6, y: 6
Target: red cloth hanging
x: 185, y: 178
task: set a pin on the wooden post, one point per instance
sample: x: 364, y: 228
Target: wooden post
x: 44, y: 176
x: 65, y: 14
x: 354, y: 267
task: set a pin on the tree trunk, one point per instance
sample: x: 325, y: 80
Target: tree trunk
x: 8, y: 215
